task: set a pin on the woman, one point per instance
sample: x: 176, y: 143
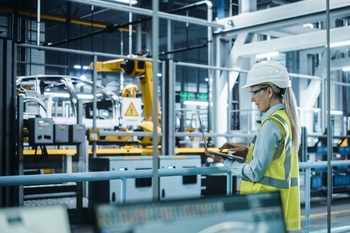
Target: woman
x: 272, y: 156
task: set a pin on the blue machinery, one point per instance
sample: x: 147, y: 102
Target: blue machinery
x: 124, y: 175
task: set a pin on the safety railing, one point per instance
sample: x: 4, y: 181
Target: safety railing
x: 124, y: 175
x: 308, y: 166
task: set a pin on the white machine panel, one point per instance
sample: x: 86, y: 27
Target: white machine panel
x: 177, y: 187
x: 136, y: 189
x: 140, y: 189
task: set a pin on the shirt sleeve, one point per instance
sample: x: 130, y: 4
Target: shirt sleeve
x: 267, y: 141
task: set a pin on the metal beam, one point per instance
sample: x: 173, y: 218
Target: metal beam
x: 292, y: 43
x: 282, y: 16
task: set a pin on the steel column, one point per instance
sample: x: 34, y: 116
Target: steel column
x: 168, y: 103
x: 8, y: 158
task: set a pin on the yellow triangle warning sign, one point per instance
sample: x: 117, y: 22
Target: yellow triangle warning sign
x: 131, y: 110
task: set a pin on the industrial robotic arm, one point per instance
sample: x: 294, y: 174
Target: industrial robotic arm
x: 143, y: 70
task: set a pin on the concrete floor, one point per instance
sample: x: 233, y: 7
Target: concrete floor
x: 340, y: 215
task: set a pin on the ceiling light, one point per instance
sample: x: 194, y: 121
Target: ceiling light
x: 195, y: 102
x: 347, y: 68
x: 336, y: 112
x: 78, y: 67
x: 85, y: 96
x: 308, y: 25
x: 132, y: 2
x: 266, y: 55
x: 338, y: 44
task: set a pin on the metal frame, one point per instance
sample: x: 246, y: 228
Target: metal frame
x: 124, y: 175
x: 163, y: 15
x: 281, y: 16
x: 8, y: 159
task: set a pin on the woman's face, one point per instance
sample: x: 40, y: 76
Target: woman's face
x: 261, y: 97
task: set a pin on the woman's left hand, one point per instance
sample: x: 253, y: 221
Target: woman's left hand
x: 215, y: 157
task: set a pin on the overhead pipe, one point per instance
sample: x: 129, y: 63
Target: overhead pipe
x: 184, y: 49
x: 59, y: 18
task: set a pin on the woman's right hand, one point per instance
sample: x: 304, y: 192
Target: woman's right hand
x: 240, y: 150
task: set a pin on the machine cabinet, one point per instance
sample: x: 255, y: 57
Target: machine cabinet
x: 140, y: 189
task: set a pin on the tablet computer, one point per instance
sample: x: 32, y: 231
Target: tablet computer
x: 230, y: 155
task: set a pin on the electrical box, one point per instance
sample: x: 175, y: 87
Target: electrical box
x: 77, y: 133
x: 61, y: 133
x: 40, y: 131
x: 140, y: 189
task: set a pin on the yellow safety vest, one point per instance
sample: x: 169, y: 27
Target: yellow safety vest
x: 281, y: 175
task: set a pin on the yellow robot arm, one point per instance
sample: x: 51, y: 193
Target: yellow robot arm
x: 142, y: 69
x: 130, y: 91
x: 108, y: 66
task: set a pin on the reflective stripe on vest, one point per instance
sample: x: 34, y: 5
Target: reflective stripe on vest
x: 287, y: 182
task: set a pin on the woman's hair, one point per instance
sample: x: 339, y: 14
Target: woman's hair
x: 291, y: 109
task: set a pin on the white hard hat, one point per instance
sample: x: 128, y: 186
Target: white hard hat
x: 268, y: 72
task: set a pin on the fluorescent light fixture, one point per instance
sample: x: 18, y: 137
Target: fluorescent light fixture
x: 336, y: 112
x: 86, y: 67
x: 195, y: 102
x: 338, y: 44
x: 78, y: 67
x: 133, y: 2
x: 266, y: 55
x: 85, y: 96
x: 308, y: 25
x: 347, y: 68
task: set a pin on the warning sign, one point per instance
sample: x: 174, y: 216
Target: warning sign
x: 131, y: 111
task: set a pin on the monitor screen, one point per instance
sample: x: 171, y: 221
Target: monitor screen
x: 239, y: 213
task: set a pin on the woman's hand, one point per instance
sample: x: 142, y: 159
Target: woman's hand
x: 215, y: 157
x: 239, y: 149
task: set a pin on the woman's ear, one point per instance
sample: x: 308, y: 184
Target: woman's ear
x: 270, y: 91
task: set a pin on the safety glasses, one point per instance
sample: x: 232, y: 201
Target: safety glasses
x: 254, y: 93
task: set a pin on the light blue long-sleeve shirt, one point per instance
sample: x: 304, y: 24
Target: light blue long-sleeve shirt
x: 268, y: 138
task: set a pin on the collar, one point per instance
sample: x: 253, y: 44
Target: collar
x: 272, y: 110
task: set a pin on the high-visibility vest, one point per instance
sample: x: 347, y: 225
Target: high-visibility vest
x: 281, y: 175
